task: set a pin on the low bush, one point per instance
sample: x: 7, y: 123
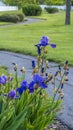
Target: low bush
x: 12, y: 18
x: 21, y: 17
x: 51, y: 9
x: 32, y: 10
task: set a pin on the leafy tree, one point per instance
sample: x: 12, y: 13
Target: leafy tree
x: 18, y: 3
x: 55, y: 2
x: 40, y: 1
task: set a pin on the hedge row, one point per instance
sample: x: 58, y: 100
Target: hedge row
x: 12, y: 18
x: 51, y: 9
x: 32, y: 10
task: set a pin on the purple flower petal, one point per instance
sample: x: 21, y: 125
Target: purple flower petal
x: 37, y: 45
x: 43, y: 85
x: 44, y: 41
x: 31, y: 87
x: 16, y: 97
x: 3, y: 79
x: 12, y: 94
x: 20, y: 90
x: 24, y: 85
x: 53, y: 45
x: 37, y: 78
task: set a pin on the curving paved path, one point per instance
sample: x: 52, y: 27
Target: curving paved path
x: 66, y: 117
x: 28, y: 21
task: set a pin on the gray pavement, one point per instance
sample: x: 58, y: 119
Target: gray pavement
x: 66, y: 116
x: 27, y: 21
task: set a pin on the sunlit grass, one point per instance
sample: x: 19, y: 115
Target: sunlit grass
x: 21, y: 38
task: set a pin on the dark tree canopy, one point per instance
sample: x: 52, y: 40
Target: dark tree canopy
x: 19, y: 3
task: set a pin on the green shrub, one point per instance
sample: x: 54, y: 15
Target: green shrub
x: 9, y: 18
x: 12, y: 18
x: 32, y: 10
x: 51, y: 9
x: 21, y: 17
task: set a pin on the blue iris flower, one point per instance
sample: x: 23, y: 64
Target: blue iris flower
x: 31, y: 86
x: 23, y: 87
x: 12, y: 94
x: 53, y: 45
x: 44, y: 42
x: 43, y: 85
x: 3, y: 79
x: 40, y: 80
x: 37, y: 78
x: 20, y: 90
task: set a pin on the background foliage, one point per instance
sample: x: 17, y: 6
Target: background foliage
x: 32, y: 10
x: 21, y: 3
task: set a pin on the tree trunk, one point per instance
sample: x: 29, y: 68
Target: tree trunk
x: 68, y: 8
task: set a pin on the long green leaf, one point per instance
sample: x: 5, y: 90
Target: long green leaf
x: 18, y: 120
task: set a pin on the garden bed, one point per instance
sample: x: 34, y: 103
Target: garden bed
x: 57, y: 126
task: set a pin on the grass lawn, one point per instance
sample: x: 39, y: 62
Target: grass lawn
x: 21, y: 38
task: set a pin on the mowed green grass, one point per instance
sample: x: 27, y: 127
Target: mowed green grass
x: 21, y: 38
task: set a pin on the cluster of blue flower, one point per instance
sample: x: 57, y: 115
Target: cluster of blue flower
x: 40, y: 79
